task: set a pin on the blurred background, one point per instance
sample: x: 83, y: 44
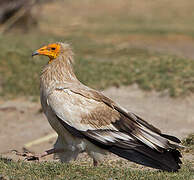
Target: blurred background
x: 139, y: 53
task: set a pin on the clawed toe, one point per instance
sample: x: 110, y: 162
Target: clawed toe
x: 28, y: 155
x: 32, y: 158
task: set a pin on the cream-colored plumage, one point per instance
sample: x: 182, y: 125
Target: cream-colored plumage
x: 86, y: 120
x: 55, y: 93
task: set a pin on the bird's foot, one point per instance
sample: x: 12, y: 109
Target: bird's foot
x: 28, y: 155
x: 95, y: 162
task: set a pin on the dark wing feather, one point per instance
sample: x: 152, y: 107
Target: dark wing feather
x: 167, y: 161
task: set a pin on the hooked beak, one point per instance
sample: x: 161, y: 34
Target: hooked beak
x: 35, y: 53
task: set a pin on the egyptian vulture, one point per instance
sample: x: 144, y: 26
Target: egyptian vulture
x: 87, y: 121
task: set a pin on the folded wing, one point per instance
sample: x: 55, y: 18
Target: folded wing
x: 89, y: 114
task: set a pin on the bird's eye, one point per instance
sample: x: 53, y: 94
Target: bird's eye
x: 53, y: 48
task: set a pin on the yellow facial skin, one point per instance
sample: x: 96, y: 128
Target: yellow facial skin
x: 52, y: 51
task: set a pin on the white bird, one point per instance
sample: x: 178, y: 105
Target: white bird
x: 87, y: 121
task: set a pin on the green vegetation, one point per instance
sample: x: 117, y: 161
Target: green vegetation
x: 101, y: 42
x: 189, y: 143
x: 52, y: 170
x: 97, y: 65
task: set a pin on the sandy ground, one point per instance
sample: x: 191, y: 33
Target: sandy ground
x: 23, y: 121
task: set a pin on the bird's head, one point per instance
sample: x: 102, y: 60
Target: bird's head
x: 54, y: 50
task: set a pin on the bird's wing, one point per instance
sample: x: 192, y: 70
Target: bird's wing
x: 91, y: 113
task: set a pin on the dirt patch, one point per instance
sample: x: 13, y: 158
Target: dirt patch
x: 21, y: 122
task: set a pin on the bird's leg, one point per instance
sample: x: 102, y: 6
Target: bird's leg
x: 31, y: 157
x: 95, y: 162
x: 51, y: 151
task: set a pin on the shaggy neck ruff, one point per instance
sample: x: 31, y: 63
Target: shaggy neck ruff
x: 59, y: 71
